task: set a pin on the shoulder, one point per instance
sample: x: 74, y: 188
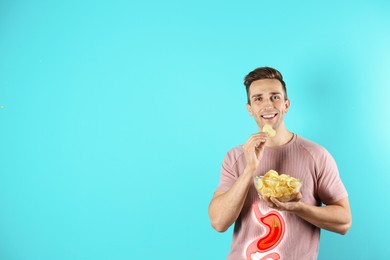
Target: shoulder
x: 316, y: 151
x: 310, y: 146
x: 235, y: 153
x: 234, y: 161
x: 234, y: 157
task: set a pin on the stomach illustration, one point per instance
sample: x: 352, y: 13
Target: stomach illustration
x: 260, y: 248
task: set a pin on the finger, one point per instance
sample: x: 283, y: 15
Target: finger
x: 276, y: 202
x: 266, y: 199
x: 254, y: 144
x: 257, y: 135
x: 268, y: 202
x: 256, y: 141
x: 297, y: 198
x: 260, y: 144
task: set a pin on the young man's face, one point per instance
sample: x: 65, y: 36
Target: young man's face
x: 268, y: 104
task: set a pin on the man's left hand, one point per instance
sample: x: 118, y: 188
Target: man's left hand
x: 292, y: 205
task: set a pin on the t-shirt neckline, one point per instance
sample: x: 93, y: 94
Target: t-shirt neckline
x: 286, y: 145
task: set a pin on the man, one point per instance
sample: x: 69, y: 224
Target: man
x: 268, y: 228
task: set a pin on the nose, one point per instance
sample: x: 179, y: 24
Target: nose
x: 267, y: 103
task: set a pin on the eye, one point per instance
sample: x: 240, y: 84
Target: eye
x: 257, y: 99
x: 275, y: 97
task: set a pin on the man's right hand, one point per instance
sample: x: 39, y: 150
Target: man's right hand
x: 225, y: 207
x: 253, y: 150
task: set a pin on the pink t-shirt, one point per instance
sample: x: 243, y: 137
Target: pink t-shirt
x: 264, y: 233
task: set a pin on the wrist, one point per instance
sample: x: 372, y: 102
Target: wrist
x: 250, y: 170
x: 299, y: 207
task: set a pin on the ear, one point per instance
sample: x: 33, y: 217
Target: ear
x: 249, y: 108
x: 286, y: 105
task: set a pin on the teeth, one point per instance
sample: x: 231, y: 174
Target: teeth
x: 268, y: 116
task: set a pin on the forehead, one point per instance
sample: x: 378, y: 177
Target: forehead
x: 265, y: 86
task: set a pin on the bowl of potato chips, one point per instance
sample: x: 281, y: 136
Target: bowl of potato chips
x: 283, y: 187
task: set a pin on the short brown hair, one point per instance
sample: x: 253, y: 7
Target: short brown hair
x: 263, y: 73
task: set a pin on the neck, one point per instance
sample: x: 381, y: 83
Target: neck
x: 283, y: 136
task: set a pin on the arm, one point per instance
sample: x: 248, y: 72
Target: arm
x: 225, y: 207
x: 335, y: 217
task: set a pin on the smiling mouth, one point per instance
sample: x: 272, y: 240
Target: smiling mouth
x: 269, y: 117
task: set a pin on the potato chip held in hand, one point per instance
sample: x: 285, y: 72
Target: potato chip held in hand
x: 283, y: 187
x: 269, y: 130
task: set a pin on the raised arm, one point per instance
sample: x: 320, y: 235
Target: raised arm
x: 225, y: 207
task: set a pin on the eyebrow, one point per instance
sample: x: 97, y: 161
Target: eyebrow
x: 272, y: 93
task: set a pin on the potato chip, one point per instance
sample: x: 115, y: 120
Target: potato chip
x: 267, y: 191
x: 271, y: 173
x: 269, y: 130
x: 293, y: 184
x: 283, y: 187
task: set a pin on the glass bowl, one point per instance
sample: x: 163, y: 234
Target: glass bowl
x: 283, y: 187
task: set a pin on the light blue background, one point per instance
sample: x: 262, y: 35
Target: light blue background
x: 117, y: 116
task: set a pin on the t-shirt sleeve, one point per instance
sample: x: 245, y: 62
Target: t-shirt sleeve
x: 330, y: 186
x: 229, y: 172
